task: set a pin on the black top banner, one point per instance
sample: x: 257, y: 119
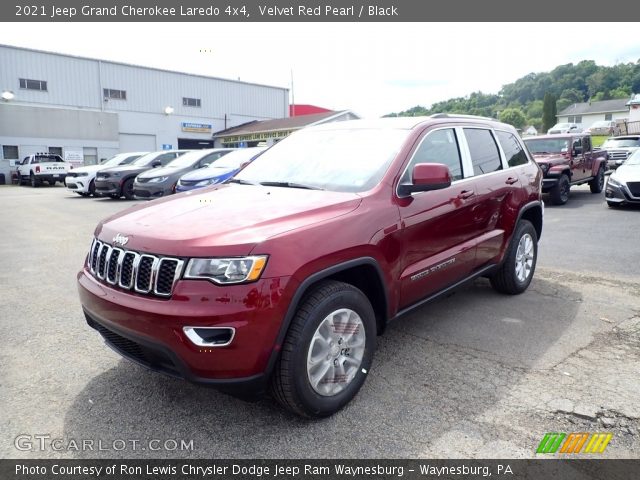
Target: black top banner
x: 313, y: 11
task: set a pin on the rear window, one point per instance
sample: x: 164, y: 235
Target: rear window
x: 47, y: 159
x: 484, y: 151
x: 512, y: 149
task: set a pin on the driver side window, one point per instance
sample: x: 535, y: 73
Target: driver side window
x: 440, y: 146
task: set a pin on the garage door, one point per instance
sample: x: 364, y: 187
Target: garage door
x: 130, y: 142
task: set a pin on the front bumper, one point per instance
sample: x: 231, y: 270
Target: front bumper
x: 620, y: 194
x: 108, y: 187
x: 149, y: 330
x: 146, y: 191
x: 77, y: 184
x: 548, y: 183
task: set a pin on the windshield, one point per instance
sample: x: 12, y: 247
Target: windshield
x: 145, y: 160
x: 548, y: 145
x: 621, y: 142
x: 120, y: 159
x: 235, y: 159
x: 188, y: 159
x: 341, y: 160
x: 561, y: 125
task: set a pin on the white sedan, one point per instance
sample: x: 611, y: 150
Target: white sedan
x: 82, y: 180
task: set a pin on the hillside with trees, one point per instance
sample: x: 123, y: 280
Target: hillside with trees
x: 535, y: 98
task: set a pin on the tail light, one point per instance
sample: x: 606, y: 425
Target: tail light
x: 37, y: 168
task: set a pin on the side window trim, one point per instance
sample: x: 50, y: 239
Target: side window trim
x: 469, y: 165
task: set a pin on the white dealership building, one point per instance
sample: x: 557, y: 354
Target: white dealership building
x: 88, y: 109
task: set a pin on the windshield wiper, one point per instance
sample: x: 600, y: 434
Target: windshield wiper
x: 241, y: 182
x: 290, y: 185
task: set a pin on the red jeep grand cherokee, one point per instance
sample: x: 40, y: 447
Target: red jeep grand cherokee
x: 284, y: 276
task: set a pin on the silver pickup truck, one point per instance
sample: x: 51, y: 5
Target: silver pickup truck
x: 41, y: 167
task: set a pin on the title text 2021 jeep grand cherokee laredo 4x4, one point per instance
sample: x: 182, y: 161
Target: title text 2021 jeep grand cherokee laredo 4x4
x: 283, y: 276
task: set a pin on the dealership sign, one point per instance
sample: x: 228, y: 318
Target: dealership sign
x: 196, y: 127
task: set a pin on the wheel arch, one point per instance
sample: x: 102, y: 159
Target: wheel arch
x: 364, y: 273
x: 533, y: 212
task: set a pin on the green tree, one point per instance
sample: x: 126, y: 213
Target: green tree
x: 513, y: 116
x: 549, y: 111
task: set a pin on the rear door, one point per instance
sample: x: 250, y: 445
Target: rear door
x: 438, y: 227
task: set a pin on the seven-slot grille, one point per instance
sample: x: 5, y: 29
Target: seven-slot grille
x: 140, y: 272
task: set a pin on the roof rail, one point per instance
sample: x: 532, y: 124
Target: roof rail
x: 460, y: 115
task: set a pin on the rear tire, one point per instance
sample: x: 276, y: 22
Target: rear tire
x: 597, y: 184
x: 35, y: 183
x: 327, y: 352
x: 560, y: 193
x: 516, y: 271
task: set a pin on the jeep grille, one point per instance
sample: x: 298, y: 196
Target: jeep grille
x: 140, y: 272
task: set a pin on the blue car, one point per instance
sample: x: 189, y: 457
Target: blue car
x: 218, y: 171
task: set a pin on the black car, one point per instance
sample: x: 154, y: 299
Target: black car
x: 118, y: 181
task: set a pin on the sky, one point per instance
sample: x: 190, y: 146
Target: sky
x: 369, y: 68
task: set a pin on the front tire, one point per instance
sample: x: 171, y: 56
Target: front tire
x: 597, y: 184
x: 560, y: 193
x: 127, y: 189
x: 516, y: 271
x: 327, y: 352
x: 92, y: 188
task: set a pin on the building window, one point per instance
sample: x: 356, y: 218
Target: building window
x: 608, y: 116
x: 115, y: 94
x: 55, y: 150
x: 576, y: 119
x: 90, y: 155
x: 10, y: 152
x: 191, y: 102
x: 33, y: 84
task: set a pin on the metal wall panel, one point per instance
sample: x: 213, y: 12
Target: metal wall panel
x: 78, y: 82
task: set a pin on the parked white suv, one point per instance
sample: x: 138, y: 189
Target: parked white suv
x: 82, y: 180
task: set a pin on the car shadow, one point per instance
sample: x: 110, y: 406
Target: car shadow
x: 435, y: 372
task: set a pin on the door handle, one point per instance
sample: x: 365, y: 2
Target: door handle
x: 511, y: 180
x: 466, y: 194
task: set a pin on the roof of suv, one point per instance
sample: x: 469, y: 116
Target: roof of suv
x: 401, y: 123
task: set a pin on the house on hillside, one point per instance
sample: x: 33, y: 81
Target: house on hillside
x: 585, y: 114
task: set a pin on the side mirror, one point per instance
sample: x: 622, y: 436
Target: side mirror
x: 244, y: 164
x: 156, y: 163
x: 426, y: 177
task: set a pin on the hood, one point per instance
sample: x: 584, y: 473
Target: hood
x: 125, y: 169
x: 164, y: 171
x: 627, y: 173
x: 226, y: 220
x: 90, y: 169
x: 207, y: 173
x: 550, y: 158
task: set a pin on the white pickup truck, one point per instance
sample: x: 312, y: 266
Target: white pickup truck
x: 40, y: 167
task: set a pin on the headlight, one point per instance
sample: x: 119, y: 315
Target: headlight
x: 158, y: 179
x: 224, y: 271
x: 116, y: 174
x: 613, y: 182
x: 203, y: 183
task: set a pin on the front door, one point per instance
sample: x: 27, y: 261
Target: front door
x: 438, y: 227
